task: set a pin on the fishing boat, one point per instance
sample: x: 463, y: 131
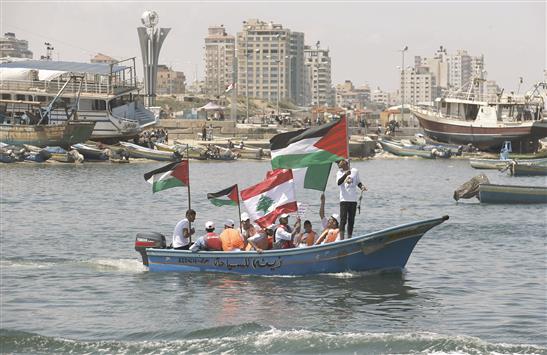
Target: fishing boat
x: 137, y: 151
x: 110, y: 94
x: 508, y: 194
x: 529, y: 168
x: 194, y: 152
x: 502, y: 163
x: 90, y: 152
x: 399, y: 150
x: 30, y: 122
x: 388, y: 249
x: 462, y: 119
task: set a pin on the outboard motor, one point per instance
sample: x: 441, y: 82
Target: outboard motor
x: 148, y: 240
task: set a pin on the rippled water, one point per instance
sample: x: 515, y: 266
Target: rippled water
x: 72, y: 282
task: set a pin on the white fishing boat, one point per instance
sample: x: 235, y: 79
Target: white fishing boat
x: 109, y: 94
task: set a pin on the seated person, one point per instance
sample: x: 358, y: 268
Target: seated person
x: 210, y: 241
x: 230, y: 238
x: 332, y: 233
x: 248, y: 228
x: 262, y: 240
x: 284, y: 234
x: 306, y: 238
x: 183, y: 232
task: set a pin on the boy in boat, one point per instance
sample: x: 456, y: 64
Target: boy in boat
x: 183, y: 232
x: 331, y: 233
x: 262, y: 240
x: 210, y: 241
x: 230, y: 238
x: 248, y: 228
x: 306, y: 238
x: 284, y: 234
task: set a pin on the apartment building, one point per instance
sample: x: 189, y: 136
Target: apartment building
x: 219, y: 60
x: 103, y: 59
x: 318, y: 69
x: 10, y: 46
x: 169, y: 81
x: 418, y: 85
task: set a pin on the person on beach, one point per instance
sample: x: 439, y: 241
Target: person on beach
x: 284, y: 234
x: 210, y: 241
x: 350, y: 186
x: 306, y: 238
x: 204, y: 132
x: 230, y: 238
x: 183, y: 232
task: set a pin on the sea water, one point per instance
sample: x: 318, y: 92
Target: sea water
x: 71, y: 281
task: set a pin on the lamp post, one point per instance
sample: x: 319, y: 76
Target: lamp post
x: 317, y: 76
x: 246, y: 53
x: 403, y: 83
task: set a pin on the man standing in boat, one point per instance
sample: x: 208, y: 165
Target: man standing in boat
x: 183, y: 232
x: 350, y: 186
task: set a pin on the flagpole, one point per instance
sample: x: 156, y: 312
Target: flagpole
x: 189, y: 201
x: 347, y: 134
x: 239, y: 210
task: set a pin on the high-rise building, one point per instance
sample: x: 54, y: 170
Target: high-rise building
x: 418, y: 85
x: 170, y: 82
x: 219, y: 60
x: 10, y: 46
x: 380, y: 97
x: 270, y: 61
x: 318, y: 65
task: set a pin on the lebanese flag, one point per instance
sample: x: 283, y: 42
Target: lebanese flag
x: 270, y: 198
x: 226, y: 197
x: 313, y: 146
x: 172, y: 175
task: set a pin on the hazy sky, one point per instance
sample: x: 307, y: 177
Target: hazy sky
x: 363, y: 36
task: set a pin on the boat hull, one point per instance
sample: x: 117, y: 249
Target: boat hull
x: 464, y: 132
x: 529, y: 169
x: 512, y: 194
x: 396, y: 149
x: 136, y: 151
x: 384, y: 250
x: 62, y: 135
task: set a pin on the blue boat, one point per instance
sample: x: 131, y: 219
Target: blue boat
x: 511, y: 194
x: 388, y: 249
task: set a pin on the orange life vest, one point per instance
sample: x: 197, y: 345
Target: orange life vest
x: 332, y: 235
x: 213, y: 242
x: 231, y: 239
x: 310, y: 239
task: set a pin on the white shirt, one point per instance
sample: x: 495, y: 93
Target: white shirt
x: 282, y: 234
x: 348, y: 189
x: 178, y: 237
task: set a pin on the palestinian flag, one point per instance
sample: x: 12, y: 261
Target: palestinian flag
x: 270, y: 198
x: 314, y: 177
x: 226, y: 197
x: 313, y: 146
x: 172, y: 175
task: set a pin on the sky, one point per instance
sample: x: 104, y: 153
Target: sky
x: 364, y: 37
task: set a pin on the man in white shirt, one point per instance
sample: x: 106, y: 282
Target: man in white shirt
x: 284, y: 234
x: 350, y: 187
x: 183, y: 232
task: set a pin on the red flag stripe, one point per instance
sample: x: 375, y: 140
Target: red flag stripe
x: 271, y: 217
x: 274, y: 178
x: 181, y: 172
x: 335, y: 141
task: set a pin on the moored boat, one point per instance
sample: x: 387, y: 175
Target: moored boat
x: 136, y: 151
x: 90, y: 152
x: 501, y: 163
x: 388, y: 249
x: 529, y: 168
x: 400, y: 150
x: 509, y: 194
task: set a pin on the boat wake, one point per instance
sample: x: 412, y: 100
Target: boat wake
x: 122, y: 265
x: 254, y: 338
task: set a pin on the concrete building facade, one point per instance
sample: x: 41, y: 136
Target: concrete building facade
x: 169, y: 81
x: 219, y: 60
x: 318, y: 68
x: 418, y: 85
x: 103, y: 58
x: 10, y: 46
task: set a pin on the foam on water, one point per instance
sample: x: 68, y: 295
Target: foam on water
x: 241, y: 339
x: 124, y: 265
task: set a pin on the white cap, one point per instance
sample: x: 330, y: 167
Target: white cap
x: 229, y: 223
x: 271, y: 226
x: 336, y: 217
x: 209, y: 225
x: 245, y: 216
x: 284, y: 215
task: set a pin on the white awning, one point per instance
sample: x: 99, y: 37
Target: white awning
x: 211, y: 107
x: 48, y: 75
x: 28, y: 74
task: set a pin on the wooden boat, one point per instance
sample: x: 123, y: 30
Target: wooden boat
x: 388, y: 249
x: 251, y: 153
x: 398, y: 149
x: 194, y: 152
x: 529, y: 168
x: 136, y: 151
x: 501, y: 163
x: 90, y: 152
x: 507, y: 194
